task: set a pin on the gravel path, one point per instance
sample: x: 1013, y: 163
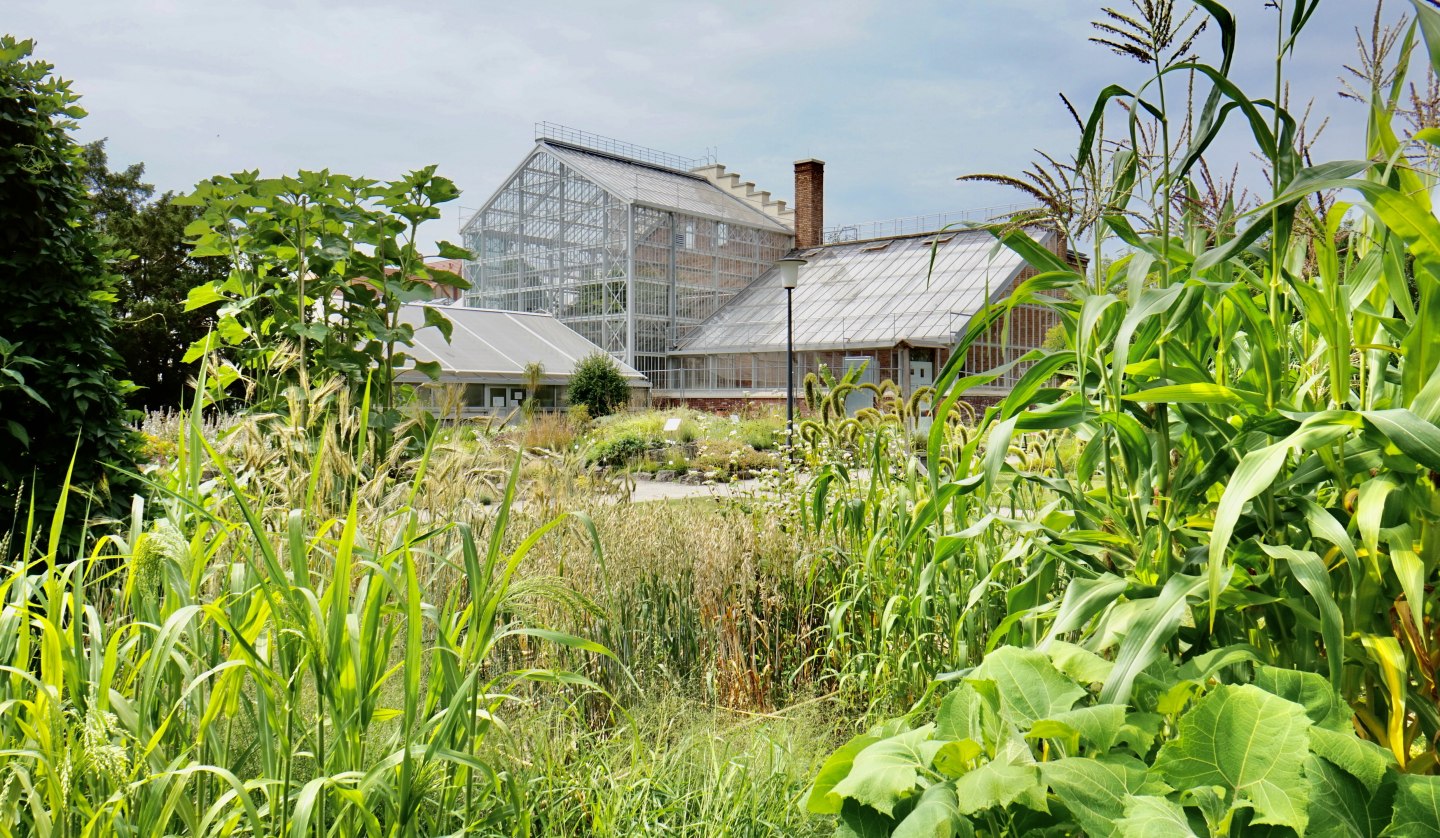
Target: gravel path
x: 648, y: 490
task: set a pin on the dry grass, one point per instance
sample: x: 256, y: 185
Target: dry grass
x: 707, y: 594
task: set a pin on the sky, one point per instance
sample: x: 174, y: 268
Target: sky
x: 899, y: 97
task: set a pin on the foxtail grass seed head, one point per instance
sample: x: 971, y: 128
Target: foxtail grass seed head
x: 153, y: 549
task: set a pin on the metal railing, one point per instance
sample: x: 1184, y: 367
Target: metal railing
x: 609, y: 145
x: 915, y: 224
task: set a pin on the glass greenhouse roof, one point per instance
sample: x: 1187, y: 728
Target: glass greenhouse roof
x: 496, y: 345
x: 867, y: 294
x: 657, y: 186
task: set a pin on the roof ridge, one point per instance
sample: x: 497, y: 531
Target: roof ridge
x: 620, y: 157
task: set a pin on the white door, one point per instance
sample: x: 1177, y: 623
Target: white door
x: 922, y: 374
x: 859, y: 399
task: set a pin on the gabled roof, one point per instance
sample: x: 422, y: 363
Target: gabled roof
x: 496, y: 345
x: 653, y: 185
x: 868, y: 294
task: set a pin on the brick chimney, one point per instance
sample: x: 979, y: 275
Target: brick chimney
x: 809, y: 202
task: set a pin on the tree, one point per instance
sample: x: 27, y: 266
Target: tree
x: 152, y: 329
x: 55, y: 323
x: 598, y: 384
x: 317, y: 267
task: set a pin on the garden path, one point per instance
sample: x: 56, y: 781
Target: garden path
x: 651, y: 490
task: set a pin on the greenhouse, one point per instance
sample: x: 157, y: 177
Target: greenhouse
x: 891, y: 305
x: 628, y: 247
x: 669, y: 264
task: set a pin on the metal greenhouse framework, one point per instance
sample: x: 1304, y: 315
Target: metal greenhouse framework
x: 631, y: 251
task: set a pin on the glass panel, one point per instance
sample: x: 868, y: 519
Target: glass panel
x: 858, y: 296
x: 556, y: 238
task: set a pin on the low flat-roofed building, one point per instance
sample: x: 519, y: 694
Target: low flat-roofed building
x: 487, y: 355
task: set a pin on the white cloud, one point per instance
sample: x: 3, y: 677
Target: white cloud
x: 898, y: 97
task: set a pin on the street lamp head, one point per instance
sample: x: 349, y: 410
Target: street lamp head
x: 790, y: 270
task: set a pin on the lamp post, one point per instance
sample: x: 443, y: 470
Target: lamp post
x: 789, y: 277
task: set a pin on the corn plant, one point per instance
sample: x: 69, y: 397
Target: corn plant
x: 1258, y: 415
x: 918, y: 582
x: 1255, y: 401
x: 238, y: 667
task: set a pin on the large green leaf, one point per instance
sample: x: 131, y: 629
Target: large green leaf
x: 1429, y: 20
x: 1365, y: 760
x: 967, y: 714
x: 203, y: 295
x: 1038, y: 255
x: 1097, y: 724
x: 1078, y: 663
x: 1030, y: 687
x: 860, y: 821
x: 998, y: 784
x: 1245, y: 741
x: 1417, y: 807
x: 887, y: 772
x: 1313, y: 692
x: 957, y: 756
x: 1084, y: 598
x: 1416, y: 438
x: 1197, y: 393
x: 1148, y: 816
x: 1341, y: 806
x: 1095, y: 790
x: 936, y: 815
x: 821, y: 799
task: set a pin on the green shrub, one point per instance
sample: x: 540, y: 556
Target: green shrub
x: 731, y: 456
x: 674, y: 459
x: 761, y: 434
x: 579, y: 415
x: 651, y: 423
x: 618, y: 450
x: 598, y: 385
x: 58, y: 382
x: 294, y: 307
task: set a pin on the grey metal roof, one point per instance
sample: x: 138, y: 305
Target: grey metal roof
x: 496, y: 345
x: 658, y: 186
x: 862, y: 294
